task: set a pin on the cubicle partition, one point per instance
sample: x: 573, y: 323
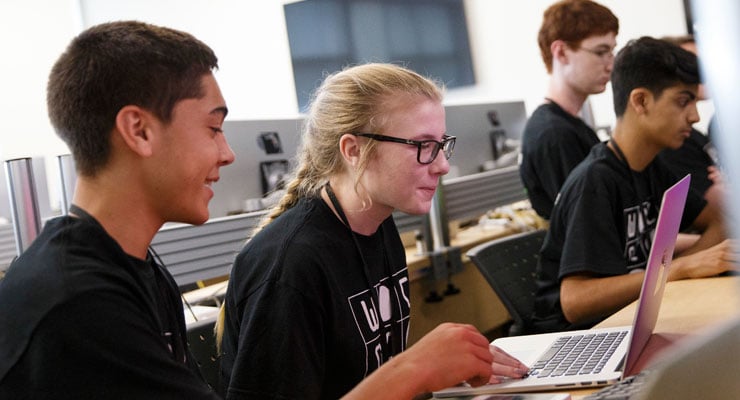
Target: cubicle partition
x: 195, y: 253
x: 471, y: 196
x: 8, y: 250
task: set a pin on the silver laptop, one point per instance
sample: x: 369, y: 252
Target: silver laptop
x: 622, y: 345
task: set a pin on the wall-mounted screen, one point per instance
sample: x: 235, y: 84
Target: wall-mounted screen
x: 428, y: 36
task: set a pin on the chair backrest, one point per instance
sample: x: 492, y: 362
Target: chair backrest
x: 202, y: 343
x: 509, y: 265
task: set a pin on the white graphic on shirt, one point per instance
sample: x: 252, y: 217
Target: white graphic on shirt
x: 383, y: 327
x: 640, y: 226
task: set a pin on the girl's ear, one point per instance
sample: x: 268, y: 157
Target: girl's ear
x: 133, y: 127
x: 349, y: 147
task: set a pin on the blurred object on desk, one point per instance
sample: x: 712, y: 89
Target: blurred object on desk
x: 519, y: 215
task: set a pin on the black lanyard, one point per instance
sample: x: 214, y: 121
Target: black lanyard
x: 81, y: 214
x: 164, y: 308
x: 620, y: 154
x: 365, y: 267
x: 635, y: 186
x: 343, y: 217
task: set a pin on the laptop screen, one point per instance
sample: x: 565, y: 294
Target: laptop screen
x: 656, y: 271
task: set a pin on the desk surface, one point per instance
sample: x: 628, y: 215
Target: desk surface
x: 689, y: 308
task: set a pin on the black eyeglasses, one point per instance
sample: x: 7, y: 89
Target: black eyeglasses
x: 426, y: 150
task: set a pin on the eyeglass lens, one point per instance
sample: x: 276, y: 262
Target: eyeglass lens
x: 428, y: 150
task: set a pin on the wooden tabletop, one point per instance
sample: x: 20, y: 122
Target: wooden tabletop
x: 689, y: 308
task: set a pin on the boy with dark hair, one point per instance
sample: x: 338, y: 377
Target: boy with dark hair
x: 576, y: 40
x: 593, y: 258
x: 697, y: 155
x: 87, y: 310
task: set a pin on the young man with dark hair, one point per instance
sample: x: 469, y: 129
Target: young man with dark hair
x: 593, y: 258
x: 87, y: 310
x: 576, y: 40
x: 697, y: 154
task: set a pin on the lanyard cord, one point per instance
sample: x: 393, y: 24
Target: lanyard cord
x: 623, y: 160
x: 620, y: 154
x: 365, y: 267
x: 345, y: 221
x: 176, y: 351
x: 633, y: 179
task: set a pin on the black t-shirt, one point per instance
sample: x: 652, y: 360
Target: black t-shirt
x: 301, y: 317
x: 553, y: 143
x: 602, y: 224
x: 691, y: 158
x: 81, y: 319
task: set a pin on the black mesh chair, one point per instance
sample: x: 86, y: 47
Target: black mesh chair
x: 202, y: 343
x: 509, y: 265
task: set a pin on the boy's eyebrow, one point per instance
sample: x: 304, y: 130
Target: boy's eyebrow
x: 221, y: 109
x: 689, y: 93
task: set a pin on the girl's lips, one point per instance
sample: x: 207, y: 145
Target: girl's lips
x: 429, y: 190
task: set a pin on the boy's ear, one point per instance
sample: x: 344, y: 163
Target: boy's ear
x: 132, y: 126
x: 557, y: 49
x: 639, y: 99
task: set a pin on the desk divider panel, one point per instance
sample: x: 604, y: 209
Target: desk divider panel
x: 8, y: 250
x: 407, y: 222
x: 198, y: 252
x: 194, y: 253
x: 473, y: 195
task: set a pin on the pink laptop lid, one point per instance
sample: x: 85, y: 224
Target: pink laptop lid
x: 656, y: 271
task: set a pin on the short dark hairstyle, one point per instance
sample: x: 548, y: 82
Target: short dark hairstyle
x: 653, y: 64
x: 116, y: 64
x: 572, y: 21
x: 680, y: 40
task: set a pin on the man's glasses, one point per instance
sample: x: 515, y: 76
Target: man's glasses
x: 426, y: 150
x: 604, y: 53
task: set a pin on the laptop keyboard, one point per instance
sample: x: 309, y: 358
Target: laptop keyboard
x: 625, y: 389
x: 577, y: 354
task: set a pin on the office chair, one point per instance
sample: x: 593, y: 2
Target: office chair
x: 509, y: 265
x: 202, y: 344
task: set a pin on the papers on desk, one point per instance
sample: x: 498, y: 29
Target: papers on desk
x: 199, y: 313
x: 209, y: 294
x: 203, y: 303
x: 520, y: 216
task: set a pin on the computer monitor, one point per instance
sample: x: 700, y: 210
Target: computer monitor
x: 265, y: 151
x: 486, y: 135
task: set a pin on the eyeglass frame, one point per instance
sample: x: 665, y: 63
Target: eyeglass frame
x: 418, y: 143
x: 605, y: 54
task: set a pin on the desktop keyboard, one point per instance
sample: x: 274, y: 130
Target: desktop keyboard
x: 578, y: 354
x: 625, y: 389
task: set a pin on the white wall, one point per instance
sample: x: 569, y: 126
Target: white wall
x: 32, y: 34
x: 250, y: 40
